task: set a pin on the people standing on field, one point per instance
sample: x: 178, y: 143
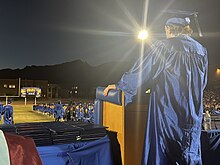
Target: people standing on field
x: 8, y: 113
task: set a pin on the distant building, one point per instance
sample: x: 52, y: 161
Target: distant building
x: 78, y: 91
x: 53, y: 91
x: 10, y: 87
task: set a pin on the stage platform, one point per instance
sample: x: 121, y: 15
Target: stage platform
x: 62, y: 143
x: 77, y: 138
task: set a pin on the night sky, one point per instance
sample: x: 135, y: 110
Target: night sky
x: 47, y: 32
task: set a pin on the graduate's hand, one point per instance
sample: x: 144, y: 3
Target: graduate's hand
x: 109, y: 87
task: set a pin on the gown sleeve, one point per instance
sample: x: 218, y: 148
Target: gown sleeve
x: 145, y: 70
x: 205, y: 69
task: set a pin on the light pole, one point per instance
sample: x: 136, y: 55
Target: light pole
x: 142, y: 35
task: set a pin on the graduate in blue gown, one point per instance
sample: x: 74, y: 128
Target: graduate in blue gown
x: 8, y: 113
x: 1, y: 110
x: 175, y: 70
x: 58, y: 111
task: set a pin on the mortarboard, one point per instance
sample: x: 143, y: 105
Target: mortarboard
x: 180, y: 17
x: 178, y: 21
x: 9, y: 101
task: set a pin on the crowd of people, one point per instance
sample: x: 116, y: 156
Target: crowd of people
x: 211, y: 100
x: 72, y: 111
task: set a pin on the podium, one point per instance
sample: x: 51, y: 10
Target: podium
x: 128, y: 122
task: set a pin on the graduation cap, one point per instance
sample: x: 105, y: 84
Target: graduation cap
x: 9, y: 101
x: 183, y: 18
x: 178, y: 21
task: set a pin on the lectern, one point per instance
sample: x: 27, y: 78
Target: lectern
x: 128, y: 121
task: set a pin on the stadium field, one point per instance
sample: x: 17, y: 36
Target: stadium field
x: 25, y: 114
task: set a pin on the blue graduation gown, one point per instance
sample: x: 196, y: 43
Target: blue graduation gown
x: 8, y: 114
x: 1, y: 111
x: 59, y: 111
x: 175, y: 70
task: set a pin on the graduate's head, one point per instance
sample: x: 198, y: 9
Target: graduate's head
x: 9, y: 101
x: 176, y: 26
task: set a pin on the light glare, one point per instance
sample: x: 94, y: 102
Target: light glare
x: 218, y: 71
x: 143, y: 34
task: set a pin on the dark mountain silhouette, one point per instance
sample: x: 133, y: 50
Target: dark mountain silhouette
x: 69, y: 73
x: 78, y: 73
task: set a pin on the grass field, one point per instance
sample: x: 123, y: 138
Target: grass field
x: 25, y: 114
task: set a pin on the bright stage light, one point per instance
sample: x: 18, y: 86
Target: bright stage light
x: 218, y: 71
x: 143, y: 34
x: 147, y: 91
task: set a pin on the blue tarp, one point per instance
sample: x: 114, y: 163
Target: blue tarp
x: 96, y: 152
